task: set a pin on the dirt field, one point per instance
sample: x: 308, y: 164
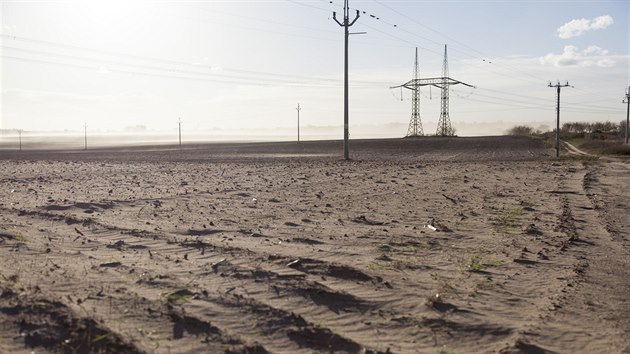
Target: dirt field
x: 462, y: 245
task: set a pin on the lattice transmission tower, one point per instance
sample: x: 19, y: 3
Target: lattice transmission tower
x: 443, y: 83
x: 415, y: 124
x: 444, y: 127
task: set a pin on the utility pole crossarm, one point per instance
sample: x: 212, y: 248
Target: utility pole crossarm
x: 335, y: 18
x: 434, y: 81
x: 413, y: 85
x: 559, y: 85
x: 345, y: 19
x: 355, y: 19
x: 456, y: 82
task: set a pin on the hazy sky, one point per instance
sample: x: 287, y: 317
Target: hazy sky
x: 228, y: 65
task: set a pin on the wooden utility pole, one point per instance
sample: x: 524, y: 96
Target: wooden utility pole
x: 558, y: 86
x: 179, y: 124
x: 627, y: 101
x: 298, y: 122
x: 346, y: 24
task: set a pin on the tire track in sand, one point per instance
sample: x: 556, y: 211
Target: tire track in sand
x: 166, y: 250
x: 592, y: 317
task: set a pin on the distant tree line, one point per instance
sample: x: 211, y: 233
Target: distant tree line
x: 576, y: 129
x: 582, y: 128
x: 522, y: 130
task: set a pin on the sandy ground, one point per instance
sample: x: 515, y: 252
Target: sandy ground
x: 463, y: 245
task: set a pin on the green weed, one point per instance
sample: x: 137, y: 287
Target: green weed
x: 101, y: 337
x: 477, y: 263
x: 398, y: 264
x: 508, y: 222
x: 447, y: 350
x: 178, y: 296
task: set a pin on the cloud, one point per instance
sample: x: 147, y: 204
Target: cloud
x: 577, y: 27
x: 592, y: 56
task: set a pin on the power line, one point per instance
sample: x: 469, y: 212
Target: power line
x: 258, y: 19
x: 308, y: 5
x: 323, y: 82
x: 259, y: 29
x: 399, y: 38
x: 203, y: 77
x: 143, y: 66
x: 172, y: 76
x: 523, y: 75
x: 518, y: 106
x: 454, y: 40
x: 100, y: 51
x: 271, y: 75
x: 511, y: 105
x: 263, y: 78
x: 586, y: 108
x: 392, y: 25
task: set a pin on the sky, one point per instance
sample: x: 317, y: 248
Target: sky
x: 241, y: 67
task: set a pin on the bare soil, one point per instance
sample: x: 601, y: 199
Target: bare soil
x: 456, y: 245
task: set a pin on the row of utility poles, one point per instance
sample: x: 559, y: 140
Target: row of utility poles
x: 85, y: 136
x: 558, y: 86
x: 346, y: 23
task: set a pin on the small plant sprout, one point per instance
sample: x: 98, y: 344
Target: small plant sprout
x: 479, y: 264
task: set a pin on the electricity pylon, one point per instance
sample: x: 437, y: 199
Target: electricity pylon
x: 415, y: 125
x: 444, y: 124
x: 558, y: 86
x: 443, y: 83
